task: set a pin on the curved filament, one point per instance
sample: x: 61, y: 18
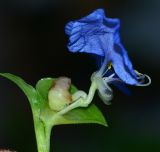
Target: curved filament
x: 142, y: 77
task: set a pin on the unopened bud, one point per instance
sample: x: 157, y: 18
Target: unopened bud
x: 59, y: 96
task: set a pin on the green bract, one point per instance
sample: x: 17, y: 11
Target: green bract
x: 45, y: 118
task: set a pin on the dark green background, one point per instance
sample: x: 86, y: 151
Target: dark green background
x: 33, y: 45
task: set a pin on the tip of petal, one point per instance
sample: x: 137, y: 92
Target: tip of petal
x: 68, y: 28
x: 99, y: 11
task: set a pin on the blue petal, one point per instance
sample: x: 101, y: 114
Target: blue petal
x: 87, y: 45
x: 122, y: 65
x: 111, y: 23
x: 87, y: 38
x: 127, y: 61
x: 122, y: 87
x: 68, y: 28
x: 95, y: 16
x: 117, y: 37
x: 92, y: 34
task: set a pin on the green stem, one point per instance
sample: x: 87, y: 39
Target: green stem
x: 81, y: 102
x: 91, y: 93
x: 42, y: 132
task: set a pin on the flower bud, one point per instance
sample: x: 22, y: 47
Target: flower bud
x: 59, y: 96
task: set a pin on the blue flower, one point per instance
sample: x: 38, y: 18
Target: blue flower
x: 99, y: 35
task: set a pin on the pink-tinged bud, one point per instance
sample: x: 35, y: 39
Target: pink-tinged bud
x: 59, y: 96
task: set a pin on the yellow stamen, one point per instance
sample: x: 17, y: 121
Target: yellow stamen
x: 109, y: 65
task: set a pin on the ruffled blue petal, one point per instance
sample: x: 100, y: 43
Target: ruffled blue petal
x: 68, y: 28
x: 95, y: 16
x: 117, y: 37
x: 88, y: 33
x: 127, y: 61
x: 87, y: 38
x: 112, y: 24
x: 122, y: 65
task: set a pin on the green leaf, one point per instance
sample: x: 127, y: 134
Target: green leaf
x: 29, y: 91
x: 90, y: 114
x: 43, y: 87
x: 45, y: 118
x: 37, y: 97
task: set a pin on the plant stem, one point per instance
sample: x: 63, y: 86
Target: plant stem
x: 42, y: 132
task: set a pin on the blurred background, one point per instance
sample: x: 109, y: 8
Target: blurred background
x: 33, y: 45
